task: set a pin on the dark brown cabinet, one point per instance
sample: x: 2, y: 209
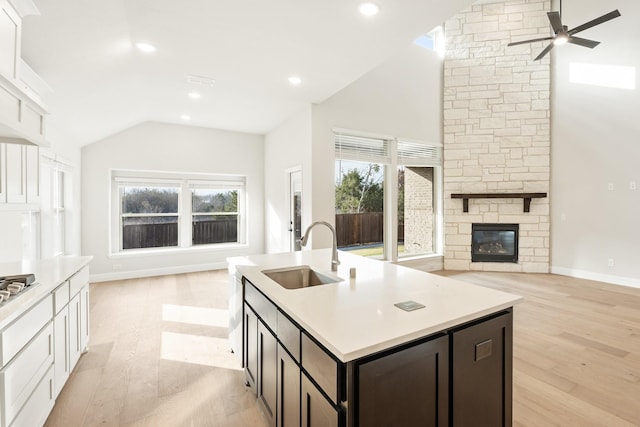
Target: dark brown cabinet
x: 250, y: 353
x: 482, y: 373
x: 288, y: 397
x: 406, y: 387
x: 267, y: 371
x: 316, y: 410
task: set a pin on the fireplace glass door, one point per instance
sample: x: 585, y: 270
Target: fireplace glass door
x: 494, y: 243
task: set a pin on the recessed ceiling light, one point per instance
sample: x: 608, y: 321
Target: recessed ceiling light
x: 185, y: 117
x: 369, y: 9
x: 145, y: 47
x: 194, y: 95
x: 295, y: 80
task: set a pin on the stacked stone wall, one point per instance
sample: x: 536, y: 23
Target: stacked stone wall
x: 496, y: 131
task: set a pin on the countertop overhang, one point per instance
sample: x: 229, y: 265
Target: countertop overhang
x: 357, y: 317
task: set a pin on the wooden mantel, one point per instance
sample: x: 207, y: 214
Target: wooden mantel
x: 526, y: 197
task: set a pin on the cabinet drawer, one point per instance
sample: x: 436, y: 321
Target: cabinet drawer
x: 21, y: 377
x: 78, y: 280
x: 264, y: 308
x: 20, y: 332
x: 61, y: 297
x: 39, y: 405
x: 320, y: 366
x: 289, y: 335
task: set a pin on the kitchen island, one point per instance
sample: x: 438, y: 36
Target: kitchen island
x: 352, y: 357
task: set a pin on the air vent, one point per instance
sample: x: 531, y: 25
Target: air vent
x: 200, y: 80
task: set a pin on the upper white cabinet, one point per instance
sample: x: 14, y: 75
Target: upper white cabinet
x: 22, y: 114
x: 10, y: 31
x: 19, y: 174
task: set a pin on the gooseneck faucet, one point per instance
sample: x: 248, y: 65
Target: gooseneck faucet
x: 334, y: 257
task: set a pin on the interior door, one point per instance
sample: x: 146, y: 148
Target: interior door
x: 295, y: 210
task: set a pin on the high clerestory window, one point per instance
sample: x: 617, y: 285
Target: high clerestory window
x: 152, y: 210
x: 387, y: 196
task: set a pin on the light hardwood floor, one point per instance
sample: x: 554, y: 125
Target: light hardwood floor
x: 158, y: 355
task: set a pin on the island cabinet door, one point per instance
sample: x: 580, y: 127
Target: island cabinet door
x: 250, y: 347
x: 288, y: 390
x: 267, y: 371
x: 482, y: 374
x: 316, y: 409
x: 407, y: 387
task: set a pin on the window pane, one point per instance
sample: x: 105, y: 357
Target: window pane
x: 209, y: 229
x: 149, y: 199
x: 149, y: 232
x: 210, y: 200
x: 359, y: 194
x: 415, y: 211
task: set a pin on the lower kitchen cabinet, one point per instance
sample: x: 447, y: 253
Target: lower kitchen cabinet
x: 482, y: 373
x: 267, y: 371
x: 316, y: 409
x: 407, y: 387
x: 288, y: 397
x: 250, y: 347
x: 61, y: 349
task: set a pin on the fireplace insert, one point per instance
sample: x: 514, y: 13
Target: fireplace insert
x: 494, y: 243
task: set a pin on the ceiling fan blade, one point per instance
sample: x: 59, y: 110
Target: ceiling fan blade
x: 529, y: 41
x: 604, y: 18
x: 544, y: 52
x: 556, y: 23
x: 583, y: 42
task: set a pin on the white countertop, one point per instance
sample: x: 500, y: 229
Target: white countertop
x: 49, y: 274
x: 357, y: 317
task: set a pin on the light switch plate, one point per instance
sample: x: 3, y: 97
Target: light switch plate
x: 408, y: 305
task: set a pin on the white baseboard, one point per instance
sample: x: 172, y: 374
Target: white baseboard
x: 136, y: 274
x: 589, y: 275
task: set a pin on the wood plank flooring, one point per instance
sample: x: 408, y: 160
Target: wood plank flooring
x: 158, y: 355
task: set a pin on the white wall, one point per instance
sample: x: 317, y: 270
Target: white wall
x: 595, y: 142
x: 286, y: 147
x: 175, y: 148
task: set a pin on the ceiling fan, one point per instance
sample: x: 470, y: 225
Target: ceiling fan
x: 562, y: 34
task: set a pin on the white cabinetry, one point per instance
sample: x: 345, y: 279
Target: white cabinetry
x: 26, y: 359
x: 71, y: 325
x: 22, y: 115
x: 10, y: 30
x: 19, y: 174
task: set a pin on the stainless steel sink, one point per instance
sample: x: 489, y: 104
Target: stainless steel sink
x: 300, y: 276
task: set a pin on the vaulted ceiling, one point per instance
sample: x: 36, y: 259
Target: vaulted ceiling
x: 101, y: 84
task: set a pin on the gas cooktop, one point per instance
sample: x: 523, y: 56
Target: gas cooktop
x: 12, y: 287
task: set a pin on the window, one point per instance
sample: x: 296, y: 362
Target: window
x: 167, y: 210
x: 215, y: 215
x: 149, y: 215
x: 386, y: 196
x: 58, y: 212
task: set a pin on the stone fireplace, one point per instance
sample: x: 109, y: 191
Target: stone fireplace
x: 497, y: 131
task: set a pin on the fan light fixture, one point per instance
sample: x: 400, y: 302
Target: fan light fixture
x: 563, y: 35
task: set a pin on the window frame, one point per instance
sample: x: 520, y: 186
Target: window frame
x: 184, y: 183
x: 390, y: 160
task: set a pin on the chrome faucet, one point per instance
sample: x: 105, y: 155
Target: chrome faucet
x: 334, y: 257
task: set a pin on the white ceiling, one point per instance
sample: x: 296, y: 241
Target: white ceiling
x: 101, y: 84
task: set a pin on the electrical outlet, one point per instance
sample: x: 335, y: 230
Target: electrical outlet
x: 632, y: 185
x: 611, y: 186
x: 611, y: 262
